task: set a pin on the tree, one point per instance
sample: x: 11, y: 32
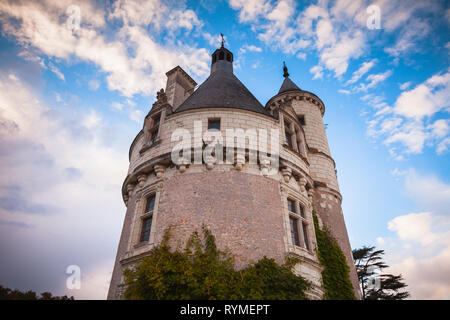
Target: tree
x: 374, y: 285
x: 8, y: 294
x: 201, y: 271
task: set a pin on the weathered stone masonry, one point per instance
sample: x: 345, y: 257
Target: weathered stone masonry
x: 249, y: 212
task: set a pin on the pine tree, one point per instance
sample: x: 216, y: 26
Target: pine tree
x: 375, y: 285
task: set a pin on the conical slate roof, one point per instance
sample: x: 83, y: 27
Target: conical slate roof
x: 288, y: 85
x: 222, y: 89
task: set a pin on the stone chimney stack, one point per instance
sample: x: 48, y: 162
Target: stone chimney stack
x: 179, y: 86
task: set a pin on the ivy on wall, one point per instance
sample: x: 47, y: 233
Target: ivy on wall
x: 336, y: 273
x: 201, y: 271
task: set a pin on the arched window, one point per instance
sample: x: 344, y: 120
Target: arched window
x: 221, y: 56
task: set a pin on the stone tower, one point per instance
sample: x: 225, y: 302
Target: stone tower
x: 255, y: 205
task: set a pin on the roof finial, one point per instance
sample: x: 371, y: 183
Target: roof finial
x: 222, y: 39
x: 285, y: 74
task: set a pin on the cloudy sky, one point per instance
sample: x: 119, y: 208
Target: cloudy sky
x: 73, y: 96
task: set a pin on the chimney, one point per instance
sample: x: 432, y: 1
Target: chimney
x: 179, y: 86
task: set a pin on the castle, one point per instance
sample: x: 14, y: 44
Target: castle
x: 258, y: 201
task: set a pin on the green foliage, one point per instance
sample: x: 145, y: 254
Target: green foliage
x: 367, y: 262
x: 8, y: 294
x: 336, y: 273
x: 201, y: 272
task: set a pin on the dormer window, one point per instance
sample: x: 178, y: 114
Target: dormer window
x: 294, y: 137
x: 155, y: 121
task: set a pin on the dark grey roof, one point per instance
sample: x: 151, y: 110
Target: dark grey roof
x: 222, y: 89
x: 288, y: 85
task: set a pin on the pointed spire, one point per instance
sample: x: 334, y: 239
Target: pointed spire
x: 221, y: 34
x: 222, y: 58
x: 285, y: 70
x: 288, y: 84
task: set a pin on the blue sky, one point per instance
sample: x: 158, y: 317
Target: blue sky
x: 73, y: 98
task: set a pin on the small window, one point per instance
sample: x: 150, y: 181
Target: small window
x: 301, y: 119
x: 221, y: 55
x: 214, y: 124
x: 146, y: 227
x: 294, y: 231
x: 291, y: 205
x: 228, y: 57
x: 214, y: 58
x: 150, y: 204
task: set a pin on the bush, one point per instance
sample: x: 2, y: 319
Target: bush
x: 201, y: 272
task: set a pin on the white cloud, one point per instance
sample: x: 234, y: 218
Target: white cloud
x: 363, y: 69
x: 411, y: 135
x: 415, y: 107
x: 420, y: 247
x: 137, y: 115
x: 336, y: 30
x: 317, y: 71
x: 250, y: 10
x: 426, y: 98
x: 421, y: 253
x: 92, y: 120
x: 55, y: 161
x: 381, y: 241
x: 428, y: 191
x: 132, y: 60
x: 56, y: 71
x: 94, y: 84
x: 409, y: 37
x: 94, y: 282
x: 443, y: 146
x: 418, y: 227
x: 374, y: 79
x: 427, y: 278
x: 117, y: 105
x: 251, y: 48
x: 405, y: 85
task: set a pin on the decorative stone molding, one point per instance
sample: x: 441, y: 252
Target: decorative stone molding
x: 311, y: 194
x: 142, y: 178
x: 302, y: 182
x: 264, y: 165
x: 130, y: 188
x: 183, y: 166
x: 159, y: 170
x: 287, y: 174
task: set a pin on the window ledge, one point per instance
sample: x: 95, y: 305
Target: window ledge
x: 148, y: 146
x: 141, y: 244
